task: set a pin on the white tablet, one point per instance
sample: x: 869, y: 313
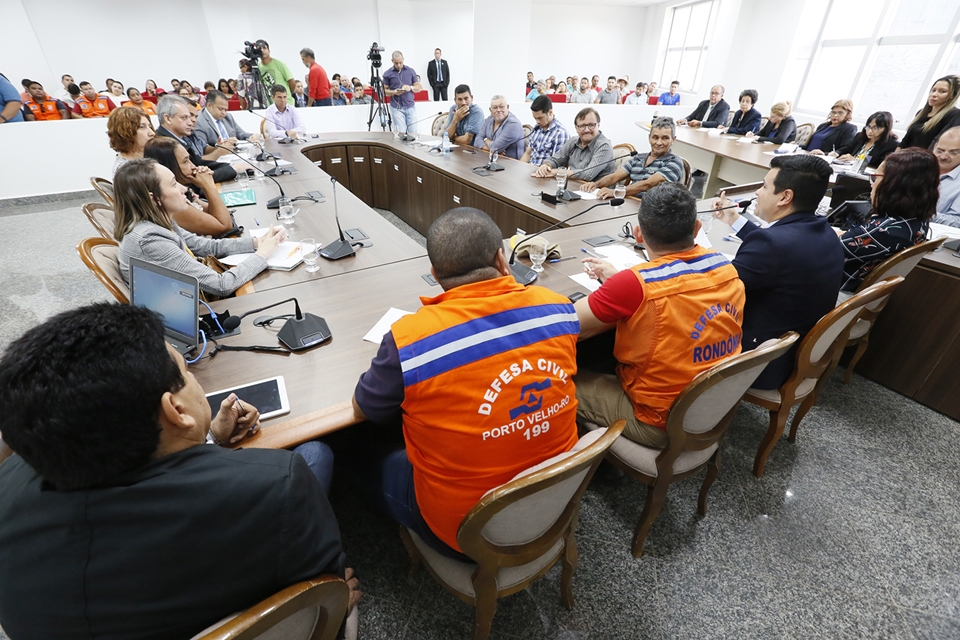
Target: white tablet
x: 268, y: 396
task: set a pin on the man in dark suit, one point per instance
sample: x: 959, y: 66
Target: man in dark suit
x: 215, y: 125
x: 438, y: 73
x: 792, y: 269
x: 116, y: 520
x: 177, y: 121
x: 710, y: 113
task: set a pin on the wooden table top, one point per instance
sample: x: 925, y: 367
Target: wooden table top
x: 755, y: 154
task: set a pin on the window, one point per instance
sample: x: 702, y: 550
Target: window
x: 689, y: 30
x: 882, y: 54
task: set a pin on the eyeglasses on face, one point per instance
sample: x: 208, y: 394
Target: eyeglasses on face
x: 587, y: 127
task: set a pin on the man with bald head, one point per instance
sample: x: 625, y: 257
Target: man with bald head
x: 400, y: 82
x: 472, y: 377
x: 947, y: 150
x: 502, y: 131
x: 710, y: 113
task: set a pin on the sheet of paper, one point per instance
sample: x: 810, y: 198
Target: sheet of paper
x: 586, y: 281
x: 937, y: 230
x: 586, y: 195
x: 375, y: 335
x: 703, y: 240
x: 619, y: 256
x: 286, y: 257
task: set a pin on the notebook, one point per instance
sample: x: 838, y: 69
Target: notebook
x: 239, y: 198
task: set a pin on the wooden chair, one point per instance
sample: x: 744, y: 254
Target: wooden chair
x: 102, y: 217
x: 899, y: 264
x: 804, y: 132
x: 816, y: 358
x: 309, y: 610
x: 104, y: 187
x: 697, y: 422
x: 100, y: 256
x: 438, y: 126
x: 517, y: 531
x: 730, y: 115
x: 621, y: 150
x: 763, y: 122
x: 263, y: 128
x: 527, y: 130
x: 687, y: 173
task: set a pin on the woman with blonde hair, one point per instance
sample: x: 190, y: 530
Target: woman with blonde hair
x: 939, y: 114
x: 836, y: 132
x: 147, y: 196
x: 129, y: 130
x: 780, y: 127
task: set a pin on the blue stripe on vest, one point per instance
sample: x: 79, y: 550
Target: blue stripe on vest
x: 484, y: 337
x: 701, y: 264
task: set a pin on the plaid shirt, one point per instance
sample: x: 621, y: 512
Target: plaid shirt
x: 545, y: 142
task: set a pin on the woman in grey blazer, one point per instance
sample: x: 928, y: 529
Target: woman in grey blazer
x: 147, y: 197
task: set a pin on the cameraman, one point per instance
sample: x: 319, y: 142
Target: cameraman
x: 273, y: 71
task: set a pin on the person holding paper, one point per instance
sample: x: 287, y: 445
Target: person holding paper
x: 147, y: 198
x: 667, y: 319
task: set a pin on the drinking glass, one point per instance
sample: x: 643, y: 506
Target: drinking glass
x: 706, y: 221
x: 242, y: 179
x: 561, y: 179
x: 285, y: 213
x: 494, y: 156
x: 620, y: 191
x: 308, y: 251
x: 538, y: 252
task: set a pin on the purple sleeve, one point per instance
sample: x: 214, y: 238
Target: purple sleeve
x: 379, y: 391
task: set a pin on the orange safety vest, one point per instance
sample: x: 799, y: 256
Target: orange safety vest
x: 47, y: 110
x: 99, y: 107
x: 146, y: 106
x: 488, y: 391
x: 689, y: 320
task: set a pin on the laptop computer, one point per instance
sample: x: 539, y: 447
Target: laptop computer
x: 171, y: 294
x: 849, y: 186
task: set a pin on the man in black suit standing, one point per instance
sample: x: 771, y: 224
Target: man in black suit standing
x: 710, y: 113
x: 438, y: 73
x: 793, y: 267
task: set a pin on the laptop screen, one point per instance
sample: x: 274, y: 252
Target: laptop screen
x: 171, y: 294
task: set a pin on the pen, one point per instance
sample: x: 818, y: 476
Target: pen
x: 591, y: 253
x: 257, y: 221
x: 729, y: 238
x: 562, y: 259
x: 293, y: 251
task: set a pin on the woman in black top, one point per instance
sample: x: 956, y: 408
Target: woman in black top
x: 836, y: 132
x: 875, y: 141
x: 780, y: 127
x: 939, y: 114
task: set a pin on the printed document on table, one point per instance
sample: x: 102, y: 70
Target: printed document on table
x: 587, y: 195
x: 584, y: 280
x: 375, y: 335
x: 619, y: 256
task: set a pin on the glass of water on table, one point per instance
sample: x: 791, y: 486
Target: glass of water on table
x: 538, y: 252
x: 309, y: 252
x: 285, y: 213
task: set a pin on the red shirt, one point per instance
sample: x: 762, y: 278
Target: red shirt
x: 618, y: 298
x: 319, y: 83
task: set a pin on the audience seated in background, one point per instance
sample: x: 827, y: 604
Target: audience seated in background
x: 129, y: 130
x: 112, y: 482
x: 187, y: 93
x: 40, y: 106
x: 531, y: 83
x: 137, y: 101
x: 939, y: 114
x: 587, y: 157
x: 208, y: 214
x: 300, y: 97
x: 672, y: 97
x: 337, y: 99
x: 836, y: 132
x: 359, y: 97
x: 904, y: 198
x: 874, y: 142
x: 283, y: 121
x: 223, y: 86
x: 465, y: 118
x: 547, y: 136
x: 114, y: 91
x: 595, y: 84
x: 646, y: 170
x: 562, y: 87
x: 148, y: 198
x: 710, y: 113
x: 657, y: 308
x: 75, y: 94
x: 610, y: 95
x: 150, y: 89
x: 178, y: 120
x: 638, y: 96
x: 64, y: 94
x: 786, y: 289
x: 454, y: 447
x: 780, y: 127
x: 174, y: 85
x: 502, y: 132
x: 947, y: 151
x: 539, y: 89
x: 92, y: 105
x: 747, y: 119
x: 585, y: 95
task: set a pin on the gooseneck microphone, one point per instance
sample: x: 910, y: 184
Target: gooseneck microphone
x: 301, y: 331
x: 285, y: 140
x: 524, y: 274
x: 406, y: 137
x: 231, y: 323
x: 743, y: 204
x: 338, y: 248
x: 492, y: 165
x: 273, y: 203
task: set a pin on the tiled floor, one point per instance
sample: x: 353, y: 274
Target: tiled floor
x: 853, y: 532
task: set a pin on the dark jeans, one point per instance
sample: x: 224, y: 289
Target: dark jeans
x: 319, y: 458
x: 326, y: 102
x: 439, y: 93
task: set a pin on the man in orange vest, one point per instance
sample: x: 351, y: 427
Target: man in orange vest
x: 481, y: 378
x: 674, y: 316
x: 91, y: 104
x: 40, y: 106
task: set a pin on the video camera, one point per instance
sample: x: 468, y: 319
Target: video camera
x: 253, y: 51
x: 374, y: 56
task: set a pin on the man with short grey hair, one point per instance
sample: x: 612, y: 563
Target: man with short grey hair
x: 502, y: 132
x: 947, y: 150
x: 318, y: 93
x: 589, y: 156
x: 710, y: 113
x: 646, y: 170
x: 400, y: 82
x: 178, y: 120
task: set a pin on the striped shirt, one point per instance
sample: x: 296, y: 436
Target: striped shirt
x: 546, y: 142
x: 668, y: 165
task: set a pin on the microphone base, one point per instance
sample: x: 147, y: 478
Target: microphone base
x: 567, y: 195
x: 274, y: 203
x: 337, y: 250
x: 262, y: 156
x: 276, y: 171
x: 303, y: 334
x: 493, y: 166
x: 407, y: 138
x: 523, y: 274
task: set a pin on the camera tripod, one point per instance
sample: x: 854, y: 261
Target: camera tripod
x: 378, y: 108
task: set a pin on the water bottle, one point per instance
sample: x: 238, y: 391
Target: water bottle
x: 446, y: 142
